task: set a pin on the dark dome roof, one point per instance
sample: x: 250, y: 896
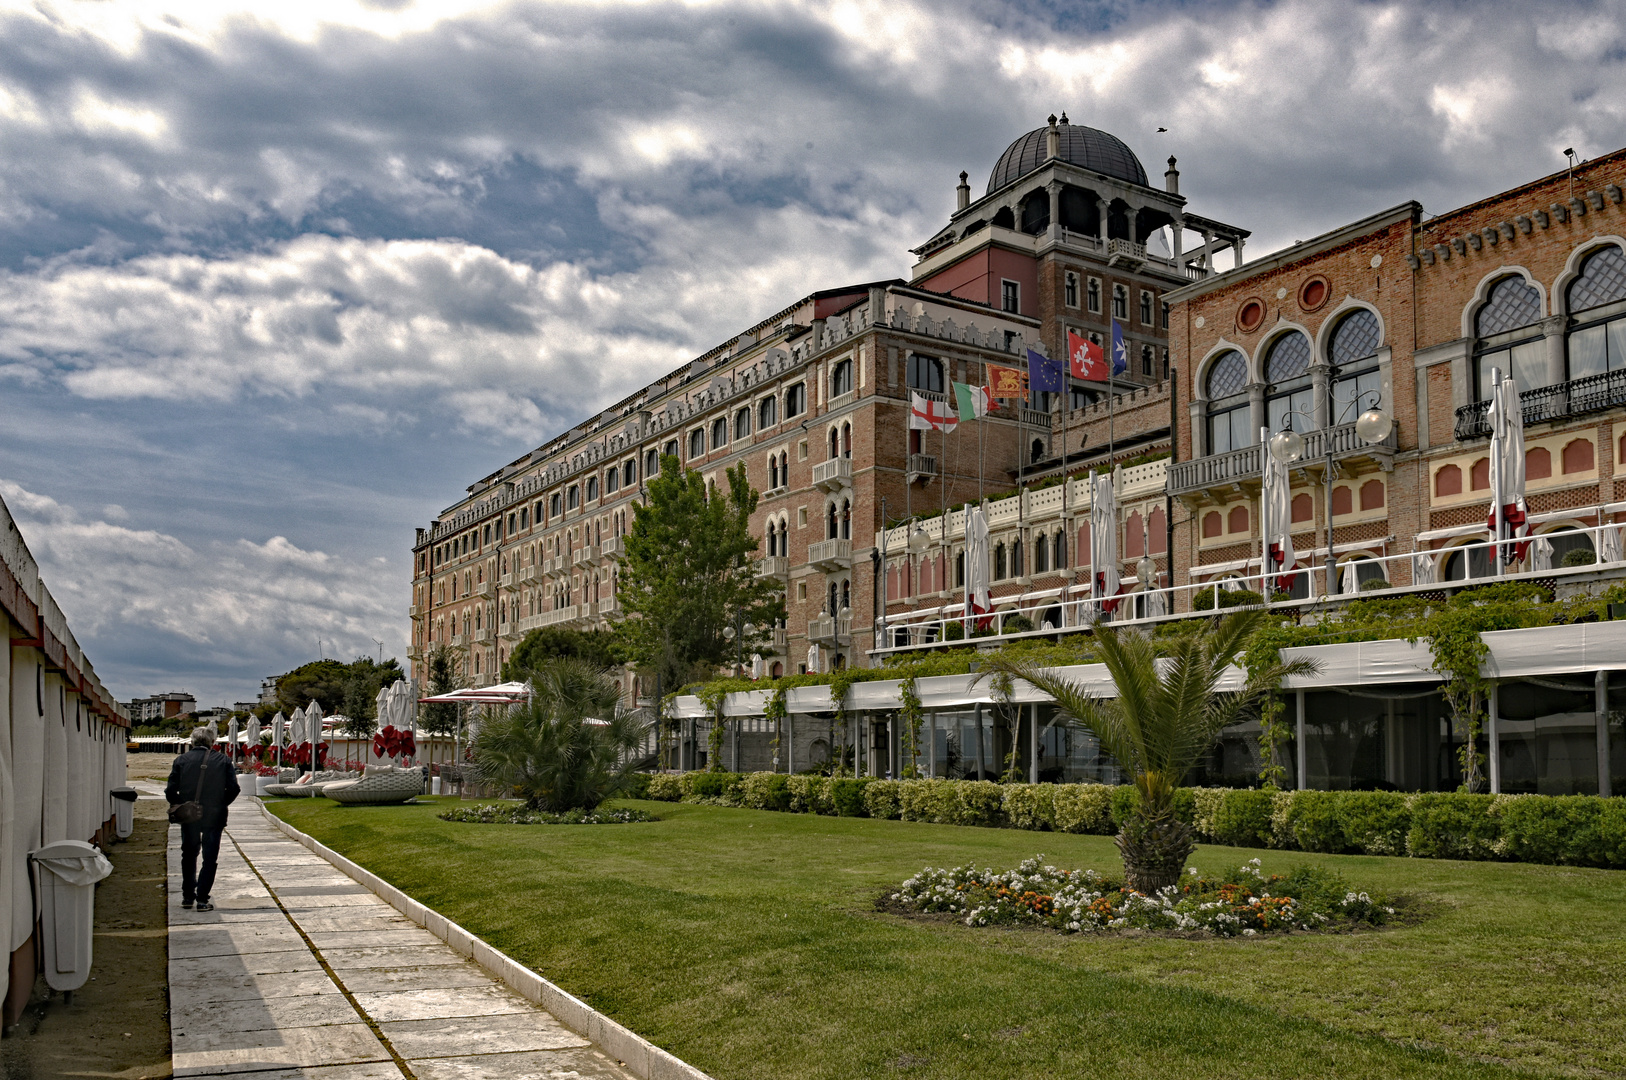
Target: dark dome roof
x: 1079, y: 145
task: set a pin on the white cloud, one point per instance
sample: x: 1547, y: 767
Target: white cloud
x: 147, y: 606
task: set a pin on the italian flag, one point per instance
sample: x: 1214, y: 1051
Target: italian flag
x: 973, y: 400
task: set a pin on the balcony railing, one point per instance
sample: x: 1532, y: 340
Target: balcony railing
x: 507, y: 580
x: 482, y: 637
x: 831, y: 554
x: 922, y: 467
x: 528, y: 574
x: 833, y: 475
x: 1125, y: 251
x: 780, y: 637
x: 484, y: 589
x: 1593, y: 393
x: 613, y: 547
x: 773, y: 566
x: 835, y: 629
x: 1218, y: 470
x: 583, y: 555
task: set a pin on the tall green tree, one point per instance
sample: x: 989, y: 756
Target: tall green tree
x: 445, y: 675
x: 599, y: 647
x: 688, y: 573
x: 1168, y: 713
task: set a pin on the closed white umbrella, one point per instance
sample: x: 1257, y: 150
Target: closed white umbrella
x: 1611, y: 546
x: 1541, y: 554
x: 279, y: 727
x: 1104, y: 539
x: 254, y: 735
x: 231, y: 737
x: 1507, y: 516
x: 1146, y: 571
x: 1351, y: 580
x: 1422, y: 569
x: 756, y: 665
x: 977, y: 603
x: 381, y: 706
x: 313, y: 723
x: 1276, y: 528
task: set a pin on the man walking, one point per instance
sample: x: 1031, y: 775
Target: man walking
x: 200, y: 775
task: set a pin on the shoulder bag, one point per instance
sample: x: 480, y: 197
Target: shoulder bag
x: 191, y: 812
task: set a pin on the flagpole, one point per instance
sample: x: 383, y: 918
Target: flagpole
x: 1499, y: 438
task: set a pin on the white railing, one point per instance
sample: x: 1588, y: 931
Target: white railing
x: 613, y: 547
x: 582, y: 556
x: 1072, y: 606
x: 830, y: 553
x: 833, y: 475
x: 507, y: 580
x: 773, y: 566
x: 484, y: 589
x: 922, y: 465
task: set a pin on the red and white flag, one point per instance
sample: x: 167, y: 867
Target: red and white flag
x: 925, y: 414
x: 1086, y: 359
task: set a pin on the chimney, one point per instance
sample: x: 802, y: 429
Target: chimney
x: 962, y: 194
x: 1052, y: 140
x: 1171, y: 179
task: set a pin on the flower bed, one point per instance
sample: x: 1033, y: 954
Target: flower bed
x: 1243, y: 903
x: 511, y: 814
x: 1574, y: 830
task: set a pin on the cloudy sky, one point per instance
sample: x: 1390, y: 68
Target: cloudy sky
x: 278, y: 281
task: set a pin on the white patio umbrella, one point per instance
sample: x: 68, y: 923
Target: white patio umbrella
x: 1103, y: 537
x: 1507, y: 516
x: 382, y: 705
x: 1276, y: 526
x: 756, y: 665
x: 231, y: 737
x: 1541, y: 554
x: 1611, y: 551
x: 977, y: 603
x: 253, y: 744
x: 1422, y: 569
x: 1146, y: 571
x: 313, y: 724
x: 1350, y: 581
x: 279, y: 726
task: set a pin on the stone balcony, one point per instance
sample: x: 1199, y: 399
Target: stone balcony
x: 584, y: 556
x: 830, y: 555
x: 773, y: 566
x: 921, y: 467
x: 831, y: 629
x: 482, y: 637
x: 1590, y: 394
x: 1219, y: 477
x: 614, y: 547
x: 507, y: 580
x: 832, y: 476
x: 528, y: 574
x: 485, y: 589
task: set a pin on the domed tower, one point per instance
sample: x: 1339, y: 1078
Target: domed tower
x: 1071, y: 232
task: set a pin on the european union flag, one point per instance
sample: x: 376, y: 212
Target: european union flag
x: 1044, y: 374
x: 1120, y: 353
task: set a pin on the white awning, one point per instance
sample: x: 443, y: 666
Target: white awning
x: 1556, y: 650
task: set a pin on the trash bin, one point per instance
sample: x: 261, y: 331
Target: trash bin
x: 434, y: 786
x: 65, y: 877
x: 123, y: 811
x: 263, y: 782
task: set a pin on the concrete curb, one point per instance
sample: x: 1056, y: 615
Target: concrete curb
x: 640, y: 1056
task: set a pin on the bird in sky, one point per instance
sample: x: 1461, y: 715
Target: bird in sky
x: 1161, y: 130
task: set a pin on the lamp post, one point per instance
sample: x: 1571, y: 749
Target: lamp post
x: 737, y: 634
x: 1287, y: 446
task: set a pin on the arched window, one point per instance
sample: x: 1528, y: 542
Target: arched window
x: 629, y: 474
x: 1058, y: 551
x: 835, y: 443
x: 592, y: 488
x: 1228, y: 412
x: 1567, y: 539
x: 652, y: 465
x: 846, y: 519
x: 1509, y: 337
x: 1597, y: 339
x: 796, y: 400
x: 1287, y: 369
x: 846, y: 440
x: 697, y: 443
x: 767, y: 413
x: 925, y: 373
x: 742, y: 423
x: 612, y: 481
x: 841, y: 378
x: 1353, y: 350
x: 830, y: 522
x: 573, y: 497
x: 719, y: 433
x: 1456, y: 568
x: 773, y: 472
x: 670, y: 449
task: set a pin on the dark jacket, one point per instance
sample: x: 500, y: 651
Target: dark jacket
x: 219, y: 785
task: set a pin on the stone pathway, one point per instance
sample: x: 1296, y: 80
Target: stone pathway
x: 301, y: 972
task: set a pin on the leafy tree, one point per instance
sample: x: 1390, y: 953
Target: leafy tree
x: 599, y: 647
x: 1167, y: 715
x: 571, y: 746
x: 445, y: 675
x: 688, y: 572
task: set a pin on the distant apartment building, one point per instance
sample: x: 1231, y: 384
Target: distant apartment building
x: 161, y: 707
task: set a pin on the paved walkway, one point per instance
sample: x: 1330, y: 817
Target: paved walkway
x: 301, y: 972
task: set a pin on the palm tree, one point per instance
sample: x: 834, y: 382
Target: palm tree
x: 572, y: 746
x: 1168, y: 713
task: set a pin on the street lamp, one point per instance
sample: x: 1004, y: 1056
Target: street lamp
x: 1287, y: 446
x: 737, y: 634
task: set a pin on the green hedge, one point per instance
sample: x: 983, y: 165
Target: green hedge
x: 1574, y: 830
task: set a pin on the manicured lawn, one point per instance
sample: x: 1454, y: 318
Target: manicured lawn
x: 746, y: 943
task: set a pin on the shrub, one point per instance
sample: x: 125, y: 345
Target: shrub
x: 810, y: 794
x: 1016, y: 624
x: 1083, y: 808
x: 664, y: 787
x: 1203, y: 600
x: 1205, y: 806
x: 1125, y: 801
x: 1374, y: 584
x: 1577, y: 830
x: 1578, y: 557
x: 979, y: 802
x: 1313, y: 822
x: 881, y: 799
x: 1375, y: 822
x: 766, y: 791
x: 1452, y: 826
x: 712, y: 785
x: 637, y: 786
x: 953, y: 631
x: 927, y: 800
x: 1030, y: 806
x: 847, y: 795
x: 1242, y: 819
